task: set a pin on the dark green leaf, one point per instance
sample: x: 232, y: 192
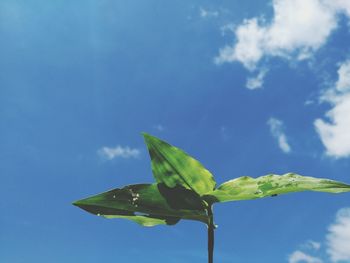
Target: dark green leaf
x: 147, y: 204
x: 245, y: 188
x: 172, y: 166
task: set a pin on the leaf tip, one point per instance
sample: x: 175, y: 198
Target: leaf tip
x: 144, y: 134
x: 148, y: 136
x: 77, y: 203
x: 151, y: 140
x: 82, y: 203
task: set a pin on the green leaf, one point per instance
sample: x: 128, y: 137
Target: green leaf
x: 246, y: 188
x: 144, y: 220
x: 147, y: 204
x: 172, y: 166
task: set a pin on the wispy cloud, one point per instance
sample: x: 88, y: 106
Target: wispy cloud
x: 335, y: 132
x: 297, y: 29
x: 313, y: 245
x: 338, y: 238
x: 277, y: 131
x: 159, y: 127
x: 228, y: 28
x: 257, y: 81
x: 224, y: 133
x: 299, y: 256
x: 110, y: 153
x: 337, y: 245
x: 207, y: 13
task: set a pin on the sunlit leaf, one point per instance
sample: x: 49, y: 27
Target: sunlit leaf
x: 245, y: 188
x: 145, y: 220
x: 147, y: 204
x: 172, y: 166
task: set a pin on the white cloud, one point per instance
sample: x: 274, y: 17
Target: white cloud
x: 299, y: 25
x: 335, y: 132
x: 110, y: 153
x: 207, y: 13
x: 337, y: 244
x: 343, y: 83
x: 228, y: 28
x: 277, y: 131
x: 256, y: 82
x: 342, y: 6
x: 297, y: 29
x: 248, y: 49
x: 299, y: 256
x: 308, y: 102
x: 335, y: 135
x: 338, y: 238
x: 313, y: 244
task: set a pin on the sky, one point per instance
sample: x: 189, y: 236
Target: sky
x: 246, y: 87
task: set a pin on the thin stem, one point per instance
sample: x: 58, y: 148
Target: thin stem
x: 211, y: 228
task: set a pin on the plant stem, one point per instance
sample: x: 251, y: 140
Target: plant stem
x: 211, y: 228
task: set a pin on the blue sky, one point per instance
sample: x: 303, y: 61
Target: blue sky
x: 246, y: 87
